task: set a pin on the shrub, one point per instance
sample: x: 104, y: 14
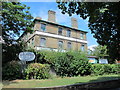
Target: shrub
x: 48, y: 57
x: 11, y: 71
x: 72, y: 64
x: 100, y: 69
x: 115, y: 68
x: 97, y: 69
x: 37, y: 71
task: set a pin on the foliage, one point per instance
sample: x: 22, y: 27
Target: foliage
x: 11, y: 52
x: 115, y: 68
x: 99, y: 51
x: 72, y: 64
x: 11, y: 71
x: 48, y: 57
x: 103, y: 18
x: 37, y: 71
x: 15, y: 20
x: 100, y: 69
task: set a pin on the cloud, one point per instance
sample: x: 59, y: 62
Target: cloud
x: 92, y: 47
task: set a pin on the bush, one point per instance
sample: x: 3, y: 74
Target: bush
x: 115, y: 68
x: 37, y: 71
x: 11, y: 71
x: 100, y: 69
x: 97, y: 69
x: 72, y: 64
x: 48, y: 57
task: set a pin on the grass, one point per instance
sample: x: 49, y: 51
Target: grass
x: 56, y: 81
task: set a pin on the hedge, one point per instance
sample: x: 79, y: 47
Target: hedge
x: 100, y: 69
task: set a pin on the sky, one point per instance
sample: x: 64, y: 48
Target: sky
x: 40, y: 9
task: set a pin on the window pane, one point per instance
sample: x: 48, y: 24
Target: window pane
x: 83, y: 47
x: 68, y: 33
x: 42, y: 42
x: 60, y: 44
x: 69, y: 46
x: 59, y: 31
x: 43, y: 27
x: 81, y: 36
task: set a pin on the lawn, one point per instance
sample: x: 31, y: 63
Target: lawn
x: 56, y: 81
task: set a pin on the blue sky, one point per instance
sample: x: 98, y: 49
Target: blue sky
x: 40, y: 9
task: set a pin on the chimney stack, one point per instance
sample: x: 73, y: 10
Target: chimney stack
x: 51, y: 16
x: 74, y: 23
x: 38, y: 18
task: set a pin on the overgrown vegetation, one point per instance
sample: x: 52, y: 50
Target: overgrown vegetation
x: 11, y: 71
x: 37, y: 71
x: 72, y: 64
x: 100, y: 69
x: 68, y: 64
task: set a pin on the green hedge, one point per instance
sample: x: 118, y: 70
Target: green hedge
x: 11, y: 71
x: 100, y: 69
x: 48, y: 57
x: 37, y: 71
x: 72, y: 64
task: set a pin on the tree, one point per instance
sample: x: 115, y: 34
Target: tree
x: 99, y: 51
x: 15, y: 20
x: 104, y: 22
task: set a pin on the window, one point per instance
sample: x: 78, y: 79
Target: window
x: 81, y: 35
x: 59, y: 31
x: 69, y: 46
x: 68, y: 33
x: 43, y: 27
x: 83, y: 48
x: 42, y: 42
x: 60, y: 44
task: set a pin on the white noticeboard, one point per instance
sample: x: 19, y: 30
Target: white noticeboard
x: 26, y: 56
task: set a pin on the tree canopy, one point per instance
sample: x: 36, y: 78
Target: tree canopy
x: 104, y: 22
x: 99, y: 51
x: 16, y: 19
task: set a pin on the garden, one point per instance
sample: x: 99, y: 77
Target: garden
x: 69, y: 68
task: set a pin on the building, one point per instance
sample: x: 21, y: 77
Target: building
x: 49, y: 35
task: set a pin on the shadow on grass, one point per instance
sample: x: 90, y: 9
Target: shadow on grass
x: 7, y: 82
x: 100, y: 79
